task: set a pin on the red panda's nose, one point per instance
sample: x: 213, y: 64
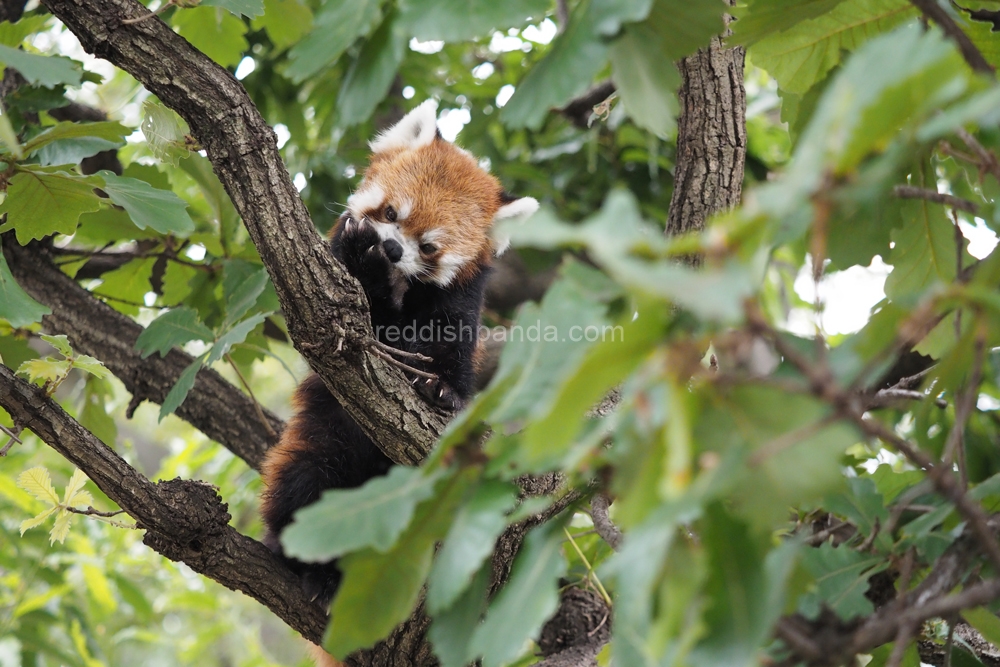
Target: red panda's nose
x: 393, y: 250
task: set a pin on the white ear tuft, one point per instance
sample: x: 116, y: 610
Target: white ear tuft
x: 417, y: 128
x: 518, y: 210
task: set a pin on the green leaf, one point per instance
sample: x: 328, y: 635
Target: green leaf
x: 738, y: 619
x: 9, y: 137
x: 15, y: 305
x: 247, y: 8
x: 841, y: 576
x: 368, y: 79
x: 451, y: 630
x: 128, y: 285
x: 761, y: 18
x: 60, y: 342
x: 576, y: 56
x: 469, y: 542
x: 173, y: 328
x: 94, y: 417
x: 924, y: 252
x: 38, y: 483
x: 41, y: 202
x: 380, y: 590
x: 161, y: 210
x: 235, y: 335
x: 530, y: 597
x: 807, y: 51
x: 166, y: 133
x: 336, y: 25
x: 345, y: 520
x: 286, y: 21
x: 646, y: 79
x: 91, y: 366
x: 12, y: 34
x: 214, y: 31
x: 864, y: 507
x: 180, y: 390
x: 458, y: 20
x: 46, y: 370
x: 683, y: 27
x: 110, y: 131
x: 242, y: 284
x: 45, y: 71
x: 986, y: 622
x: 72, y: 151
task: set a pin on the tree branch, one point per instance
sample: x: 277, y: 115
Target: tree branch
x: 935, y: 12
x: 912, y: 192
x: 324, y: 307
x: 215, y: 406
x: 185, y: 521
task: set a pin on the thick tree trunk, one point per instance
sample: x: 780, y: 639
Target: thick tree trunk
x: 711, y: 137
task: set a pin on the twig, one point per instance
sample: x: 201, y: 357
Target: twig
x: 399, y: 353
x: 606, y: 528
x: 870, y: 540
x: 885, y: 397
x: 590, y: 568
x: 932, y: 10
x: 90, y: 511
x: 912, y: 192
x: 797, y: 640
x: 987, y: 160
x: 822, y: 536
x: 14, y: 437
x: 256, y: 403
x: 903, y: 638
x: 562, y: 15
x: 140, y: 19
x: 964, y: 404
x: 406, y: 367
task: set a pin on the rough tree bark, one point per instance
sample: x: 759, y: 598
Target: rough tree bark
x: 324, y: 307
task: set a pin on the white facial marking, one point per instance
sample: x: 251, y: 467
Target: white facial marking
x: 417, y: 128
x: 433, y: 236
x: 448, y: 267
x: 410, y: 263
x: 369, y: 197
x: 404, y: 209
x: 518, y: 210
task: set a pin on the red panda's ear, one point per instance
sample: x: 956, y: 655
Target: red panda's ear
x: 519, y: 210
x: 417, y: 128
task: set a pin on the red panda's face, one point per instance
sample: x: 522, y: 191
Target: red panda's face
x: 431, y: 203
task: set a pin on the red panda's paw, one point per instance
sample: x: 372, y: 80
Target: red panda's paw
x: 439, y: 394
x: 362, y: 249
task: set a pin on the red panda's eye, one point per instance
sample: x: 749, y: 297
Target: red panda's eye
x: 428, y: 248
x: 390, y: 214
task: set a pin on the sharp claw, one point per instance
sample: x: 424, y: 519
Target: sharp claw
x: 428, y: 381
x: 347, y: 225
x: 415, y: 381
x: 441, y: 392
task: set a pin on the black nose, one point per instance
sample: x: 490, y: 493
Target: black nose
x: 393, y: 250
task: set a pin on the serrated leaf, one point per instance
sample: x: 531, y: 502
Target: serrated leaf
x: 60, y: 342
x: 74, y: 485
x: 345, y: 520
x: 180, y: 390
x: 235, y: 335
x: 646, y: 80
x: 469, y: 541
x: 575, y: 58
x: 457, y: 20
x: 45, y: 71
x: 161, y: 210
x: 285, y: 21
x: 40, y: 203
x: 214, y: 31
x: 841, y: 576
x: 110, y: 131
x: 165, y: 132
x: 47, y: 369
x: 38, y: 483
x: 241, y: 295
x: 173, y: 328
x: 94, y: 415
x: 89, y: 364
x: 761, y: 18
x: 60, y: 529
x: 36, y: 521
x: 451, y: 630
x: 379, y: 590
x: 247, y: 8
x: 15, y: 305
x: 336, y: 25
x: 924, y: 251
x: 529, y: 598
x: 369, y: 77
x: 13, y: 34
x: 128, y: 285
x: 806, y: 52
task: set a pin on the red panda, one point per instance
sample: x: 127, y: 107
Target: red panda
x: 416, y: 235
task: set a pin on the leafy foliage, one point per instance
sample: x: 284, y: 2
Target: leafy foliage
x: 705, y: 462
